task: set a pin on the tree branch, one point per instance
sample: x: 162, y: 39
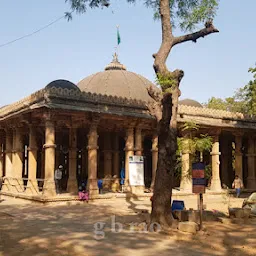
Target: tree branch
x: 209, y: 29
x: 167, y: 38
x: 155, y: 106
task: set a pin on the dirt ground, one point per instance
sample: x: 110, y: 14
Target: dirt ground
x: 70, y: 229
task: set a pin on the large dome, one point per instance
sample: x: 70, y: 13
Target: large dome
x: 117, y: 81
x: 64, y: 84
x: 190, y: 102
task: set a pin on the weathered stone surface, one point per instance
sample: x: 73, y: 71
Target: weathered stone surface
x: 194, y: 216
x: 239, y: 213
x: 181, y: 215
x: 188, y: 226
x: 225, y: 220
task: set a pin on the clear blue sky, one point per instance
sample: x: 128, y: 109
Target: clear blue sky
x: 215, y: 66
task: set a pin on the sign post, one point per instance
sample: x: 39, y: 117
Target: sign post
x: 198, y: 178
x: 136, y: 170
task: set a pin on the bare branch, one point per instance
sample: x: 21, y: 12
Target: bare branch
x: 209, y: 29
x: 167, y: 38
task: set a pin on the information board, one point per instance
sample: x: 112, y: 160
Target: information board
x: 136, y: 170
x: 198, y: 178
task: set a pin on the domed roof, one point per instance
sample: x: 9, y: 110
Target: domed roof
x: 64, y: 84
x: 117, y: 81
x: 190, y: 102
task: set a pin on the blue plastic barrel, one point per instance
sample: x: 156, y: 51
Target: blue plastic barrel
x: 178, y: 205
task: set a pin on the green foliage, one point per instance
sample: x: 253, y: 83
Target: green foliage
x: 208, y: 171
x: 187, y: 13
x: 184, y: 13
x: 190, y: 126
x: 81, y: 6
x: 167, y: 83
x: 244, y: 99
x: 203, y: 143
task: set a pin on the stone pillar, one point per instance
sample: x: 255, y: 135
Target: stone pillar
x: 138, y: 142
x: 72, y: 180
x: 251, y: 180
x: 7, y: 182
x: 1, y: 161
x: 8, y: 154
x: 226, y: 160
x: 238, y: 156
x: 129, y: 151
x: 49, y: 159
x: 18, y: 160
x: 215, y: 181
x: 186, y: 168
x: 116, y: 155
x: 32, y: 186
x: 154, y: 159
x: 92, y: 158
x: 107, y: 155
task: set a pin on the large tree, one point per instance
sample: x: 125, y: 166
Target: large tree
x: 185, y: 14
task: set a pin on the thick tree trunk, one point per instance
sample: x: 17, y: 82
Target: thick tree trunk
x: 165, y: 110
x: 167, y: 144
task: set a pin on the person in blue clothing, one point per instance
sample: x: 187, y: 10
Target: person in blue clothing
x: 100, y: 186
x: 122, y: 177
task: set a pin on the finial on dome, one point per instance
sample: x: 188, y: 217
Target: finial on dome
x: 115, y: 64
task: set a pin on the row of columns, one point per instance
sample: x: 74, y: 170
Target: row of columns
x: 186, y: 182
x: 14, y: 157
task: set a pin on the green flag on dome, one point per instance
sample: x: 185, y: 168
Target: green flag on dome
x: 118, y: 36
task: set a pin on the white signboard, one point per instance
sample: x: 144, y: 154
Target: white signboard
x: 136, y: 170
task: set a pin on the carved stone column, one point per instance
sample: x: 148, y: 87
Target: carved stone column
x: 92, y: 158
x: 18, y: 160
x: 1, y: 158
x: 251, y: 180
x: 138, y: 142
x: 226, y: 160
x: 107, y: 155
x: 154, y: 159
x: 32, y: 186
x: 215, y: 182
x: 186, y: 179
x: 72, y: 180
x: 8, y: 162
x: 238, y: 156
x: 49, y: 152
x: 129, y: 151
x: 116, y: 155
x: 8, y: 154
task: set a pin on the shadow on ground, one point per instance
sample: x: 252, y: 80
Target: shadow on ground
x: 76, y: 229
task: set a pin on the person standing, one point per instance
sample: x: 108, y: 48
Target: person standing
x: 58, y: 177
x: 237, y: 185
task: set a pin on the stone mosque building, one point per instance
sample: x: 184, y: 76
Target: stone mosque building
x: 93, y: 127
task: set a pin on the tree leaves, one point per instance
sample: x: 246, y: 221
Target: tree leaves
x: 244, y: 99
x: 186, y: 14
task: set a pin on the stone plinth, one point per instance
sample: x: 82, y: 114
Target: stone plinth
x: 188, y: 226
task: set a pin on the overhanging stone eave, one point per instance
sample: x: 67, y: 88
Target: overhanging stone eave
x: 23, y: 111
x: 217, y: 122
x: 99, y: 109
